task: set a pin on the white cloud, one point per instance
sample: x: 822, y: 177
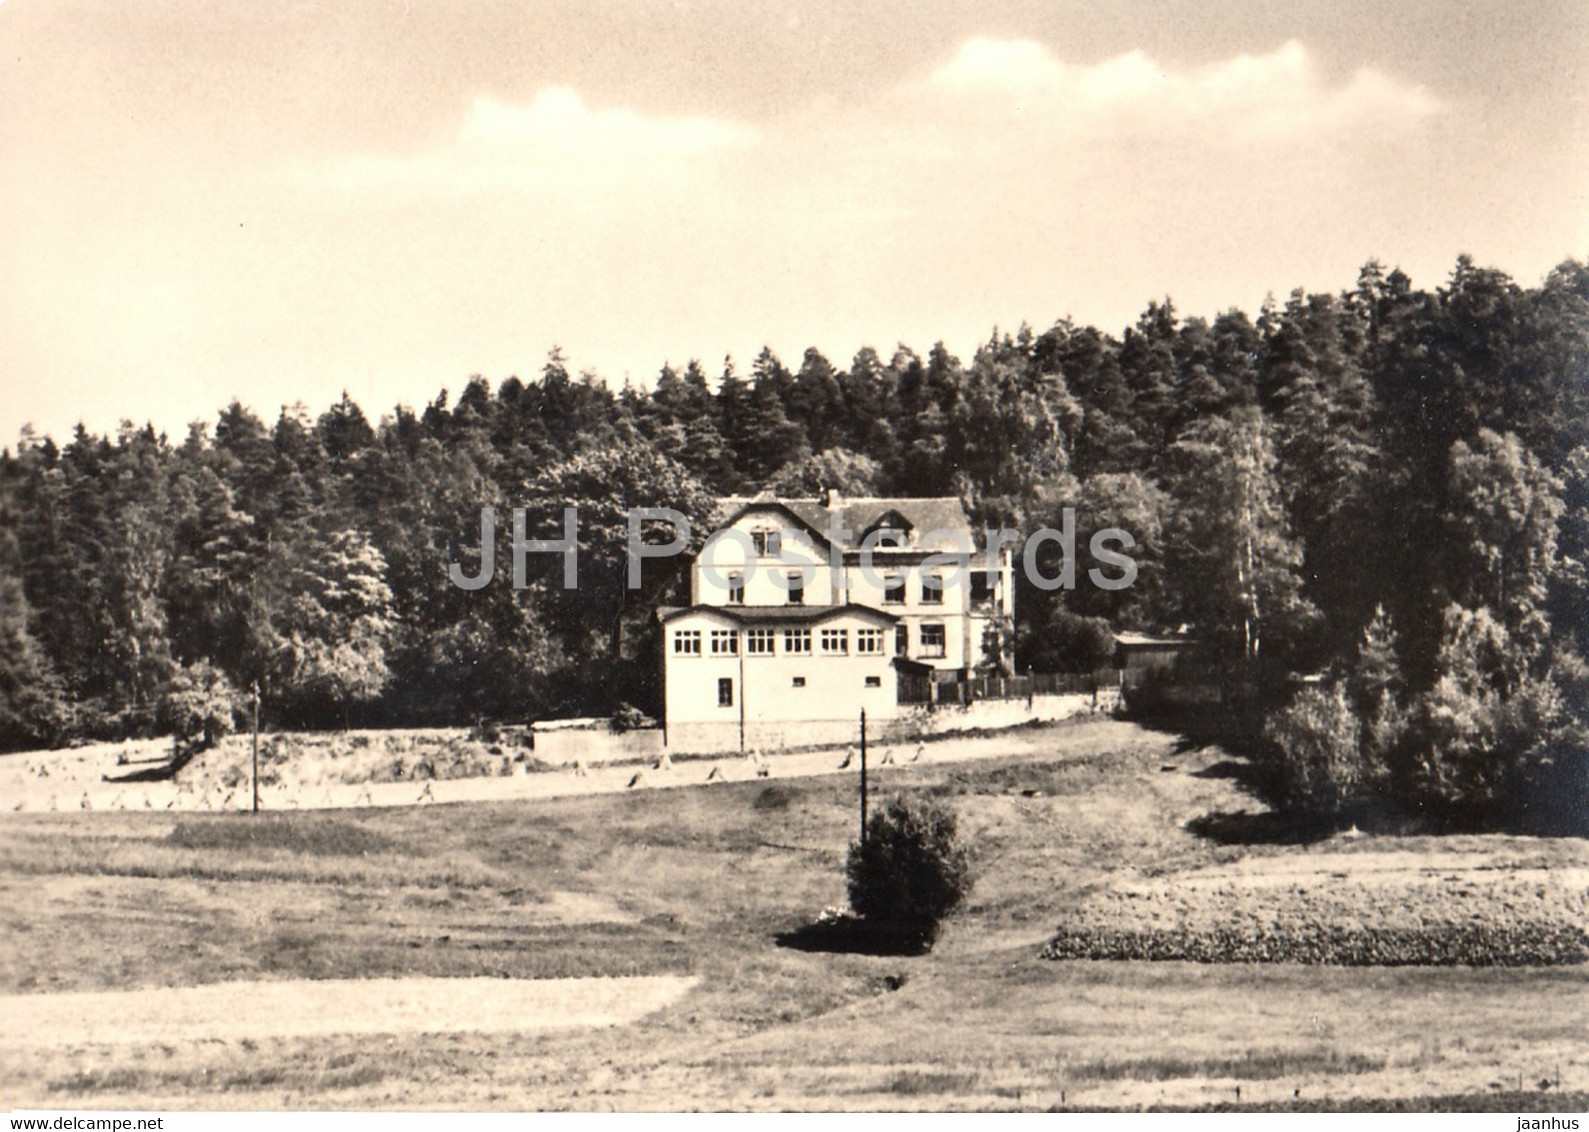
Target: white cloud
x: 1007, y: 184
x: 1000, y: 65
x: 558, y: 122
x: 1262, y: 97
x: 555, y: 141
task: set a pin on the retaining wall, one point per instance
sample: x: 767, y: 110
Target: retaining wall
x: 595, y: 744
x: 991, y: 715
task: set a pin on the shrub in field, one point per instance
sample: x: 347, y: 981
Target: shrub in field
x: 909, y: 871
x: 1318, y: 760
x: 201, y: 706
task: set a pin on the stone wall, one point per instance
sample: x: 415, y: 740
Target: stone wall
x: 982, y: 715
x: 595, y: 744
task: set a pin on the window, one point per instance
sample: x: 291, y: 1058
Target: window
x: 758, y: 642
x: 836, y: 641
x: 687, y: 642
x: 901, y: 640
x: 888, y: 538
x: 736, y: 589
x: 725, y: 642
x: 725, y: 692
x: 981, y: 585
x: 932, y: 589
x: 797, y: 641
x: 874, y: 681
x: 933, y: 641
x: 768, y: 544
x: 797, y: 682
x: 797, y: 587
x: 894, y: 590
x: 869, y: 641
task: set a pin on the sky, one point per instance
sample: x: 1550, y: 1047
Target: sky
x: 278, y: 200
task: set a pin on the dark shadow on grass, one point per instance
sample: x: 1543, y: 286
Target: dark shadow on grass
x: 1225, y: 768
x: 849, y: 935
x: 164, y: 771
x: 320, y: 835
x: 1236, y: 727
x: 1263, y: 828
x: 1185, y: 745
x: 1251, y: 776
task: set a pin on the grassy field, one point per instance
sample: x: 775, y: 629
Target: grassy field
x: 709, y: 883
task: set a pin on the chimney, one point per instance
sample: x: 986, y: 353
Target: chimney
x: 831, y: 498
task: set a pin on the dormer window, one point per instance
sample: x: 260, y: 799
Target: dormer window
x: 768, y: 544
x: 888, y: 531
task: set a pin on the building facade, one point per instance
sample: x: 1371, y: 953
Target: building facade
x: 805, y: 611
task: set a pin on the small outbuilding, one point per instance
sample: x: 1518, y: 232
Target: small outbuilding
x: 1141, y: 656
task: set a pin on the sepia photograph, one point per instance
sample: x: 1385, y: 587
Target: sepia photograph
x: 640, y: 556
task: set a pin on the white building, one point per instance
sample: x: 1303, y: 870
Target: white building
x: 805, y: 611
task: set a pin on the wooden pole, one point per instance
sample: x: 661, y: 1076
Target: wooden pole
x: 863, y: 776
x: 256, y: 746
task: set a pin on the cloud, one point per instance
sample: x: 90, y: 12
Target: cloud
x: 995, y: 97
x: 554, y: 142
x: 1007, y: 183
x: 1251, y: 97
x: 557, y: 122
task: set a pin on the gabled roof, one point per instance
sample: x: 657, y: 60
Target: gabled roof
x: 730, y: 509
x: 775, y: 614
x: 921, y: 516
x: 892, y: 519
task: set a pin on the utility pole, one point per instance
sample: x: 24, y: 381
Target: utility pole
x: 863, y: 776
x: 256, y: 746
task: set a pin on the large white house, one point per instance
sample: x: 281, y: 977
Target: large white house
x: 805, y: 611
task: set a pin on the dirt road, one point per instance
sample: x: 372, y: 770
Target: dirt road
x: 298, y: 1008
x: 72, y: 778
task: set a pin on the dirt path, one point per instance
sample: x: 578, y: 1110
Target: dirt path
x: 73, y: 785
x: 316, y: 1008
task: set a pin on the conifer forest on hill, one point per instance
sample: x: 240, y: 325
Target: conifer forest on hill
x: 1384, y: 490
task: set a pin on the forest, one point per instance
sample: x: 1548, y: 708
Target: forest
x: 1370, y: 507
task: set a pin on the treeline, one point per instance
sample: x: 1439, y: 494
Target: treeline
x: 1405, y: 463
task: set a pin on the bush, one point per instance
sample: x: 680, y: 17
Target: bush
x: 909, y: 872
x: 485, y: 731
x: 201, y: 706
x: 627, y: 717
x: 1491, y: 743
x: 1318, y: 762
